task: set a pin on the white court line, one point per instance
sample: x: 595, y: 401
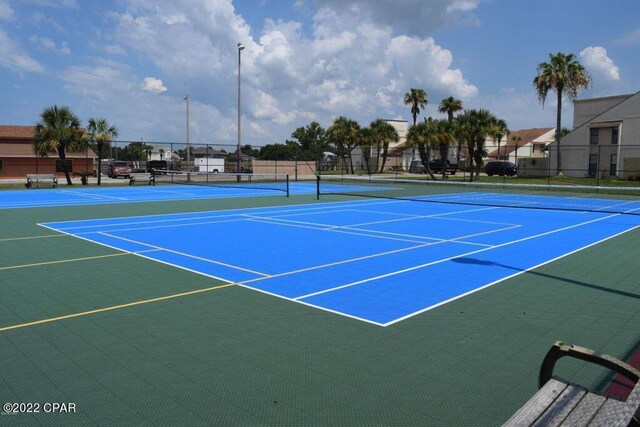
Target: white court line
x: 154, y: 227
x: 351, y: 316
x: 93, y: 202
x: 453, y: 240
x: 139, y: 254
x: 334, y: 230
x: 324, y: 308
x: 505, y: 278
x: 436, y: 216
x: 616, y: 205
x: 346, y: 261
x: 343, y: 228
x: 235, y: 267
x: 91, y: 195
x: 288, y: 273
x: 453, y: 257
x: 215, y: 214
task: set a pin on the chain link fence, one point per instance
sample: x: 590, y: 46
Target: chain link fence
x: 593, y: 162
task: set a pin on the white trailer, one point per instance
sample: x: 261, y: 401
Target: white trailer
x: 205, y: 164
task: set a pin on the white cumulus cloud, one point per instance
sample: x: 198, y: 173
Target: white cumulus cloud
x: 153, y: 85
x: 350, y: 61
x: 597, y: 61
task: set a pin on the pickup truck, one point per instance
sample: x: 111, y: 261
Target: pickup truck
x: 449, y: 168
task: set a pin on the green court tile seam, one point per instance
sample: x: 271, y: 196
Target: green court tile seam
x: 116, y: 307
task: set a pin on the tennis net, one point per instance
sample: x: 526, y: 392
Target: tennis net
x: 267, y: 182
x: 531, y: 196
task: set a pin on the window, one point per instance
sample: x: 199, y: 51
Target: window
x: 0, y: 166
x: 614, y: 165
x: 593, y: 138
x: 60, y: 167
x: 614, y: 134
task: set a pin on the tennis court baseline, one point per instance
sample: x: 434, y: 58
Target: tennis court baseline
x: 380, y: 261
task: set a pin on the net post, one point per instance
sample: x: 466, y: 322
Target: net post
x: 287, y: 185
x: 318, y: 187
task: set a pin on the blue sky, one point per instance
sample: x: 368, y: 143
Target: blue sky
x: 132, y: 61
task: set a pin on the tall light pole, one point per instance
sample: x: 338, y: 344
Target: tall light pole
x: 186, y: 98
x: 240, y: 48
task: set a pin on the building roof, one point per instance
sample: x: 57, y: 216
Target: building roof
x: 206, y: 150
x: 8, y: 131
x: 527, y: 135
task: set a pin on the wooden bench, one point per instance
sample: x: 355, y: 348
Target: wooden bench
x: 34, y: 180
x: 141, y: 177
x: 558, y: 402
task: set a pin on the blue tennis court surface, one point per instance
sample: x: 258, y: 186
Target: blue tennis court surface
x: 380, y: 261
x: 125, y: 194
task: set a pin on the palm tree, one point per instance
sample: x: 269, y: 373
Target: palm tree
x: 444, y: 136
x: 99, y: 134
x: 424, y: 136
x: 464, y: 126
x: 517, y: 139
x: 417, y: 98
x: 473, y: 128
x: 58, y: 130
x: 366, y: 140
x: 384, y: 134
x: 497, y: 130
x: 450, y: 106
x: 565, y: 75
x: 343, y: 134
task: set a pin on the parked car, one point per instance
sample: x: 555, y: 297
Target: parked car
x: 156, y: 165
x: 416, y: 166
x: 119, y: 168
x: 436, y: 166
x: 500, y: 168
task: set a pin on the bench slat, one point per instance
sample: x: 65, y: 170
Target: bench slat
x: 562, y: 406
x: 584, y: 412
x: 616, y: 413
x: 537, y: 405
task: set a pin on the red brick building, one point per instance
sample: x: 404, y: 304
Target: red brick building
x: 18, y: 159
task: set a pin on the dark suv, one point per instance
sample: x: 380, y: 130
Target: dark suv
x: 500, y: 168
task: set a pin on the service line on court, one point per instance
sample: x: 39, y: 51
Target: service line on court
x: 160, y: 248
x: 506, y: 278
x: 359, y: 282
x: 92, y: 196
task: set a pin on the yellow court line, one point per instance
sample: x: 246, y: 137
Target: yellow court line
x: 115, y: 307
x: 11, y: 239
x: 11, y: 267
